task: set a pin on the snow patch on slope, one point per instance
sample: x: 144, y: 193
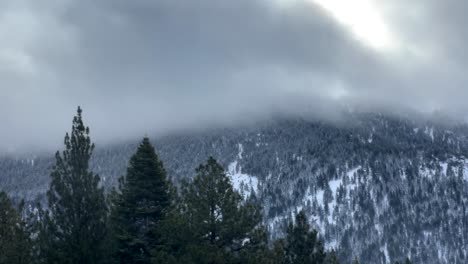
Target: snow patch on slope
x: 429, y: 132
x: 243, y: 183
x: 444, y: 166
x: 352, y: 172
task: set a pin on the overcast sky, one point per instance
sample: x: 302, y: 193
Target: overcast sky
x: 151, y: 67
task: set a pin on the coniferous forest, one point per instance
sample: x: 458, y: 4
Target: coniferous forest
x: 147, y: 218
x: 233, y: 131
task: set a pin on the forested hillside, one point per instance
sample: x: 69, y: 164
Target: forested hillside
x: 380, y: 188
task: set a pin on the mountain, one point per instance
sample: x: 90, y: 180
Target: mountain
x: 379, y: 187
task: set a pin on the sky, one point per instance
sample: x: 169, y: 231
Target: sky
x: 160, y: 66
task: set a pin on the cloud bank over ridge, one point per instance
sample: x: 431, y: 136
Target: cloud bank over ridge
x: 157, y: 66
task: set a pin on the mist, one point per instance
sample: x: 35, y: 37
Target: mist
x: 157, y: 67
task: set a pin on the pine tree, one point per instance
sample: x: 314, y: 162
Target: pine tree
x: 15, y: 244
x: 139, y: 207
x: 77, y: 204
x: 332, y: 258
x: 39, y: 225
x: 303, y: 245
x: 274, y: 255
x: 221, y: 227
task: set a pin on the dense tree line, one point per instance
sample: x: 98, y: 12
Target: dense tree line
x: 146, y: 219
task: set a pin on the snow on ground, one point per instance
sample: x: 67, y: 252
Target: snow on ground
x: 465, y: 170
x: 444, y: 166
x: 426, y: 172
x: 319, y: 197
x: 353, y: 171
x: 430, y: 132
x: 384, y: 250
x: 241, y: 151
x: 331, y: 244
x: 351, y: 175
x: 334, y: 185
x: 308, y: 197
x: 243, y: 183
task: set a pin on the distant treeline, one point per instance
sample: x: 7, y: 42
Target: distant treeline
x: 146, y: 219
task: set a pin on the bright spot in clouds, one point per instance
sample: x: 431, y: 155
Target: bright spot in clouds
x: 363, y: 19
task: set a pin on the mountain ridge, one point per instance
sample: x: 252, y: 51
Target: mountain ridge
x: 376, y: 186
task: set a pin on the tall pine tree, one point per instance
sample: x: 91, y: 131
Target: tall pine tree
x: 302, y: 244
x: 77, y: 203
x: 139, y: 206
x: 221, y: 227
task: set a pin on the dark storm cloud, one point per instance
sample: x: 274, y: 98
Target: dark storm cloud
x: 157, y: 66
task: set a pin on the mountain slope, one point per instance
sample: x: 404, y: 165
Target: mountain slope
x: 378, y: 187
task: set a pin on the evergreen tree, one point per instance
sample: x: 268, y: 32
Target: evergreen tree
x: 275, y: 255
x: 303, y: 245
x: 77, y: 204
x: 140, y: 206
x: 39, y: 226
x: 15, y: 244
x: 332, y: 258
x: 220, y: 227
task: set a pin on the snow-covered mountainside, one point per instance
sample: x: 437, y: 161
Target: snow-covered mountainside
x: 377, y: 187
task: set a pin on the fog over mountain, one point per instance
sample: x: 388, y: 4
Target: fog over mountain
x: 158, y: 66
x: 327, y: 126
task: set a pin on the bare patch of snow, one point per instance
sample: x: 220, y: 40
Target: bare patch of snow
x: 426, y: 172
x: 465, y: 170
x: 444, y: 166
x: 241, y: 151
x: 430, y: 132
x: 385, y: 251
x: 319, y: 197
x: 331, y: 245
x: 334, y: 185
x: 243, y: 183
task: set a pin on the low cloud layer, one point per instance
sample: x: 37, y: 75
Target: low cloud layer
x: 158, y: 66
